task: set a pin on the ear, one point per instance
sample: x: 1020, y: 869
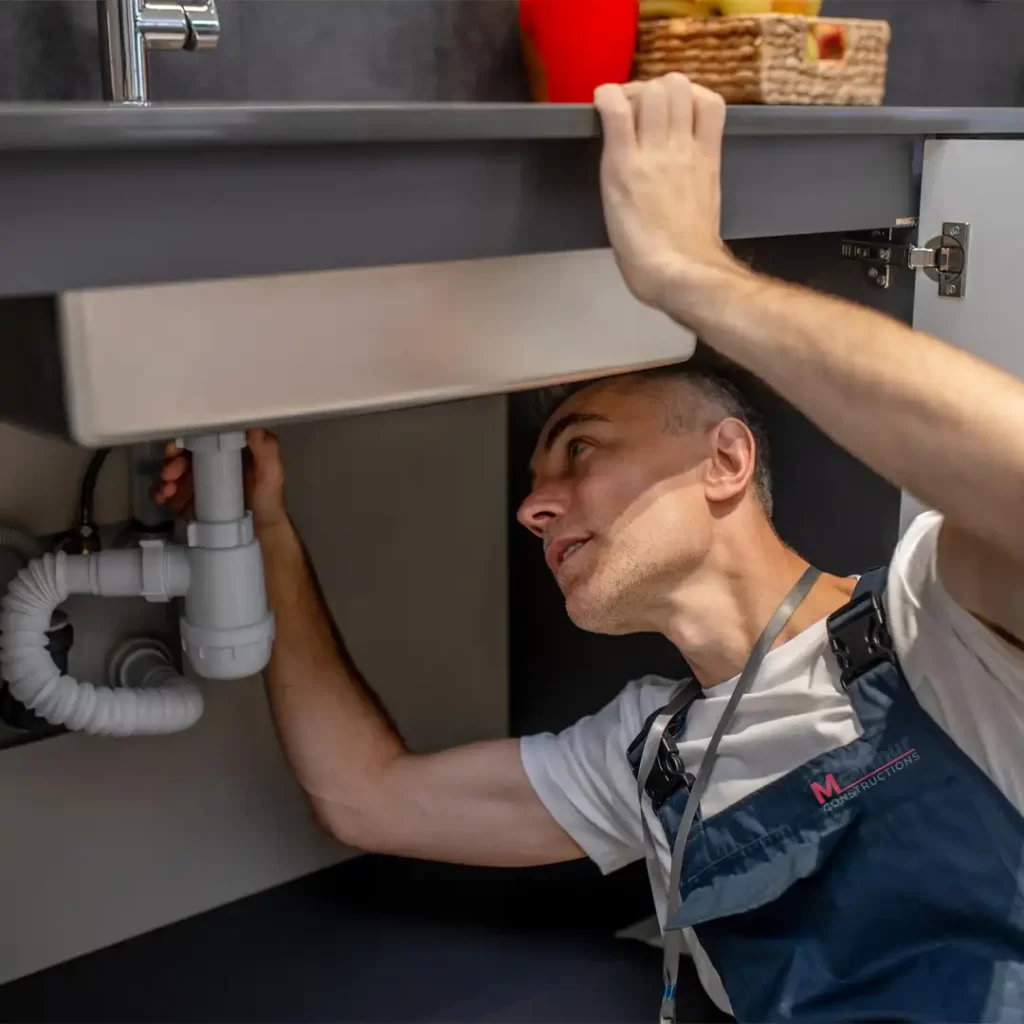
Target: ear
x: 730, y: 466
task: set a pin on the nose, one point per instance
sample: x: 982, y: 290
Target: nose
x: 544, y: 504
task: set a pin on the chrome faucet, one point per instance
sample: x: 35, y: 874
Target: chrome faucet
x: 129, y: 28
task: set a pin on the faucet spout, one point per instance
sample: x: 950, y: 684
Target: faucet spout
x: 129, y: 29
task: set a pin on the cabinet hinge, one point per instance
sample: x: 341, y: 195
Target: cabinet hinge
x: 944, y: 259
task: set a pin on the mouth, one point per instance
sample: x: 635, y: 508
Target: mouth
x: 560, y: 551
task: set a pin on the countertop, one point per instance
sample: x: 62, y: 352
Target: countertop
x: 107, y: 126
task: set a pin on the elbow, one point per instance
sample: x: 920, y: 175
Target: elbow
x: 334, y: 824
x: 364, y: 816
x: 344, y: 820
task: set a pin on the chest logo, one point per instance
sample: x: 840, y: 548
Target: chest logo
x: 831, y: 793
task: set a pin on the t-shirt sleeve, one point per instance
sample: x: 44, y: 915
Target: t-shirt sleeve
x: 964, y: 675
x: 928, y: 624
x: 583, y: 778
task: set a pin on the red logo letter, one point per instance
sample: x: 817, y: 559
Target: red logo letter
x: 829, y: 790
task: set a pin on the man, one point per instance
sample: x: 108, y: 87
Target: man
x: 857, y: 852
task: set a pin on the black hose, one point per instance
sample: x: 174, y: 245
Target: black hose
x: 87, y: 499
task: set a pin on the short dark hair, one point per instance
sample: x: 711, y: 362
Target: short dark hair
x: 716, y: 380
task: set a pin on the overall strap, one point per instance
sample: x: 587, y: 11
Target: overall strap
x: 872, y: 582
x: 687, y: 693
x: 858, y: 632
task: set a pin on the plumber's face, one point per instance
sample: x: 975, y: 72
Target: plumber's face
x: 619, y: 500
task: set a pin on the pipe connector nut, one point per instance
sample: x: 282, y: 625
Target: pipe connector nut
x: 235, y: 533
x: 164, y: 570
x: 228, y: 653
x: 211, y: 444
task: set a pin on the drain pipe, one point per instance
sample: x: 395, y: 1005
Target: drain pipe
x: 226, y: 630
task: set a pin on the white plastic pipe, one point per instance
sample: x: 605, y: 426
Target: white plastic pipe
x: 227, y: 630
x: 35, y: 680
x: 217, y: 476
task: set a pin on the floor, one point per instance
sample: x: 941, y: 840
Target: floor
x: 383, y: 939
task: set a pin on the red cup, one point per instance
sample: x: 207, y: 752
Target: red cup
x: 573, y: 46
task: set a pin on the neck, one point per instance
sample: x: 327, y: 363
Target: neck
x: 716, y: 614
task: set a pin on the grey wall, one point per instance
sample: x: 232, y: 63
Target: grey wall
x: 944, y: 52
x: 284, y: 50
x: 953, y: 53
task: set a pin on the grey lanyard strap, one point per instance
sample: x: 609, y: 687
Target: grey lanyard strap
x: 673, y: 939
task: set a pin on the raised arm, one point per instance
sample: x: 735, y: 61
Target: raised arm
x: 926, y: 416
x: 473, y: 804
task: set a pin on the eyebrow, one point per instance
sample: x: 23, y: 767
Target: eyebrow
x: 570, y: 420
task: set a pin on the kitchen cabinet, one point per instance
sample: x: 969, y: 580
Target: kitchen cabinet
x: 976, y: 182
x: 222, y: 240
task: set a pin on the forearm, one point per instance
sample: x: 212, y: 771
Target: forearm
x: 473, y: 804
x: 926, y: 416
x: 338, y: 738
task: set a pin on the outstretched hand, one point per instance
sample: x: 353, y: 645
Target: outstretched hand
x: 660, y: 180
x: 264, y: 480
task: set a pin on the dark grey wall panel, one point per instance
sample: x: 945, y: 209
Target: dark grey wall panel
x: 949, y: 52
x: 284, y: 50
x: 50, y: 51
x: 944, y: 52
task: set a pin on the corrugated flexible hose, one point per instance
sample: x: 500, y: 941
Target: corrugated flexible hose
x: 35, y: 680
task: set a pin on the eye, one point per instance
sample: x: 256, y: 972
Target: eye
x: 575, y: 448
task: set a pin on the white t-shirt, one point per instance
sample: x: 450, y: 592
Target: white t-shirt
x: 967, y: 678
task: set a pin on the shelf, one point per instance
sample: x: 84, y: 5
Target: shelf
x: 94, y: 195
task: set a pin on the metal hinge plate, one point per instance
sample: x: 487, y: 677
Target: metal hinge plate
x: 944, y: 259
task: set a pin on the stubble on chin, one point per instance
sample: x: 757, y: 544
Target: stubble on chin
x: 598, y: 606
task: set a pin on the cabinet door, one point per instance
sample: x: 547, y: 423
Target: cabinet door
x: 980, y: 182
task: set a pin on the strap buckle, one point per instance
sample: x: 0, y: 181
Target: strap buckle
x: 668, y: 774
x: 859, y: 637
x: 665, y: 773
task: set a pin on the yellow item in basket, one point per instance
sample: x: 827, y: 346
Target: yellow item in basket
x: 676, y: 8
x: 729, y: 7
x: 711, y: 8
x: 808, y: 8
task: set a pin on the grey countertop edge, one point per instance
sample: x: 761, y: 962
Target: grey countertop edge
x: 106, y: 126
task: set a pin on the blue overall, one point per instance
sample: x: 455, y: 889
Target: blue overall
x: 882, y: 881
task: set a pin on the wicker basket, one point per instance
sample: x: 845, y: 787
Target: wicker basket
x: 771, y: 58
